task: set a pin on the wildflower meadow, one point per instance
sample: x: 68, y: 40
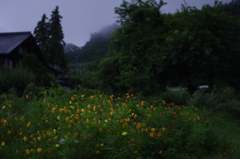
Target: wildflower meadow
x: 75, y: 125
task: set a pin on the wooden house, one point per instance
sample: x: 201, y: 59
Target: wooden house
x: 13, y: 47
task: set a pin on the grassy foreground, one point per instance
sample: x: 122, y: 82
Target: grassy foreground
x: 76, y: 125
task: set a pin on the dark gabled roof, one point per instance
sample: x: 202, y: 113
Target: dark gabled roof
x: 9, y: 41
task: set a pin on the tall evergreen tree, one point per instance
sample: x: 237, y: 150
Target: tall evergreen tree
x: 49, y: 36
x: 41, y: 34
x: 56, y: 43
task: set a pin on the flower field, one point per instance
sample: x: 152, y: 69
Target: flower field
x: 99, y: 126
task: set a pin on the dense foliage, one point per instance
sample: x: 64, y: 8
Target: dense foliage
x: 153, y: 50
x: 233, y: 7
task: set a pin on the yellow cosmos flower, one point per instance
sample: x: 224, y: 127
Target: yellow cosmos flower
x: 28, y: 151
x: 25, y: 138
x: 124, y: 133
x: 153, y: 129
x: 3, y: 143
x: 57, y: 145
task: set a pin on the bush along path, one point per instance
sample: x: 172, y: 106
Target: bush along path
x: 98, y: 126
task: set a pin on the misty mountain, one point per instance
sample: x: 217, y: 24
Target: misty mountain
x: 105, y: 32
x: 71, y: 48
x: 95, y: 49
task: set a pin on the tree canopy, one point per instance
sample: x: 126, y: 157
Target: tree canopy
x: 189, y: 48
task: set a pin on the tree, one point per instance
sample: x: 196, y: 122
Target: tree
x: 202, y: 48
x: 188, y: 49
x: 56, y: 48
x: 131, y: 66
x: 41, y: 34
x: 49, y: 36
x: 233, y: 7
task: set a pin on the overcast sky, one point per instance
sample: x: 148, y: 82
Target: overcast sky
x: 80, y: 17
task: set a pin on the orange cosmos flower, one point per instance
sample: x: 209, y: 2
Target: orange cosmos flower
x: 124, y: 104
x: 76, y: 116
x: 146, y: 130
x: 85, y: 136
x: 109, y: 102
x: 159, y: 134
x: 78, y: 111
x: 135, y: 116
x: 76, y: 134
x: 97, y: 152
x: 149, y: 115
x: 26, y: 96
x: 139, y: 125
x: 39, y: 150
x: 28, y: 124
x: 151, y: 134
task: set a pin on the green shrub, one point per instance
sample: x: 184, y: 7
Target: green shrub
x: 18, y: 77
x: 32, y: 91
x: 43, y: 77
x: 178, y: 97
x: 75, y: 80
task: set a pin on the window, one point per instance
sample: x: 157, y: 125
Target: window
x: 8, y: 63
x: 22, y: 50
